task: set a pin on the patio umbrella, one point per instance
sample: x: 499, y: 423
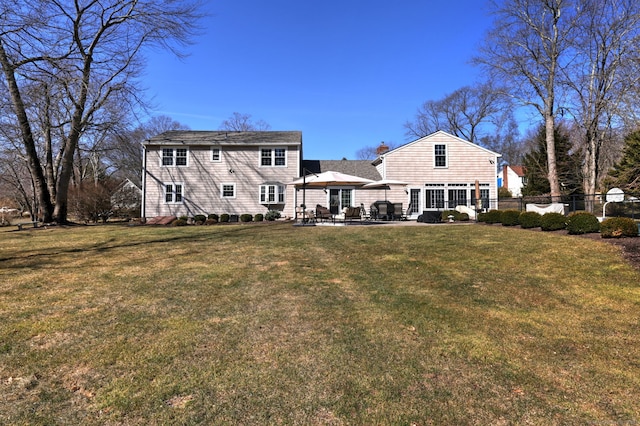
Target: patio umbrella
x: 325, y: 179
x: 384, y: 183
x: 329, y: 178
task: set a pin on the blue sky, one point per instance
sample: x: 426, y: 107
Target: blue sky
x: 347, y: 73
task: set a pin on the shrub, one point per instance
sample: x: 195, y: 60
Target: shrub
x: 246, y: 217
x: 510, y: 217
x: 224, y: 217
x: 457, y: 216
x: 259, y: 217
x: 213, y: 216
x: 492, y: 216
x: 530, y: 220
x: 185, y: 218
x: 553, y: 222
x: 179, y: 222
x: 504, y: 193
x: 272, y: 215
x: 199, y: 218
x: 582, y: 223
x: 211, y: 221
x: 617, y: 227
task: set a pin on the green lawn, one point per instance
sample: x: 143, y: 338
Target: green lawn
x: 275, y: 324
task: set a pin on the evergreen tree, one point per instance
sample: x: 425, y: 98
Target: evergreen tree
x: 535, y: 163
x: 626, y: 174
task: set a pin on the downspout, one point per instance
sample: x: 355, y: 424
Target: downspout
x: 143, y: 210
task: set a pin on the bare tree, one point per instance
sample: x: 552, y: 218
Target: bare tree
x: 90, y: 53
x: 469, y: 113
x: 371, y: 152
x: 124, y: 149
x: 525, y: 50
x: 603, y: 76
x: 243, y: 123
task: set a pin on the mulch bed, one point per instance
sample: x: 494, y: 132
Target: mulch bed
x: 630, y: 247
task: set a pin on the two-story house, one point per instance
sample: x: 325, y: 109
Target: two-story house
x: 200, y: 172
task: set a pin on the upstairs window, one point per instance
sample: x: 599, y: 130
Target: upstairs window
x: 174, y: 156
x: 440, y: 155
x: 272, y: 194
x: 173, y: 193
x: 216, y: 154
x: 273, y: 157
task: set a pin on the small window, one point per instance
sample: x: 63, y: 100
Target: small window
x: 440, y: 155
x: 265, y: 157
x: 216, y: 154
x: 229, y: 190
x: 173, y: 193
x: 272, y: 194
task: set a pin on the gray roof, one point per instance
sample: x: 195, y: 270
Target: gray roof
x: 362, y: 168
x: 223, y: 137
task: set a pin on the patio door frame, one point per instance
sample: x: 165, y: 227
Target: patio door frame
x: 336, y: 199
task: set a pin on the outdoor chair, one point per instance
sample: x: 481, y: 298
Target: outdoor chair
x: 351, y: 213
x: 382, y: 211
x: 397, y: 211
x: 323, y: 213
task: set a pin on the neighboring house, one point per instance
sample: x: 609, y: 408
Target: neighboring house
x: 126, y: 199
x: 201, y: 172
x: 512, y: 178
x: 440, y: 171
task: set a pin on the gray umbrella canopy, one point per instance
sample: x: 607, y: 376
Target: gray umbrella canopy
x: 384, y: 183
x: 329, y: 178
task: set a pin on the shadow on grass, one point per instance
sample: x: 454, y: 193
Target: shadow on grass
x: 39, y: 258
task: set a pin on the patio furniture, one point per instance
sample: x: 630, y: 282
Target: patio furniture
x: 385, y: 210
x: 351, y: 213
x: 397, y: 211
x: 323, y: 213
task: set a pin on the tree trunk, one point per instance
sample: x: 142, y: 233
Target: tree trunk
x: 551, y: 155
x: 40, y: 184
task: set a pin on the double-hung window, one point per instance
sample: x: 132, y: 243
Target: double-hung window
x: 272, y: 194
x: 274, y: 157
x: 228, y: 190
x: 440, y: 155
x: 173, y: 193
x: 216, y: 154
x: 174, y: 157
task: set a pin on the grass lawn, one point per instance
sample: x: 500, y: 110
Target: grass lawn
x: 275, y: 324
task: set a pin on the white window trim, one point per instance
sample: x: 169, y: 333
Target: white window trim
x: 174, y: 156
x: 273, y: 156
x: 173, y: 184
x: 446, y: 156
x: 235, y: 190
x: 219, y: 160
x: 280, y: 189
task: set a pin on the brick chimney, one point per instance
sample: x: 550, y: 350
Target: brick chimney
x: 505, y: 176
x: 381, y: 149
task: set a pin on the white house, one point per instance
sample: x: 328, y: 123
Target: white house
x: 512, y: 178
